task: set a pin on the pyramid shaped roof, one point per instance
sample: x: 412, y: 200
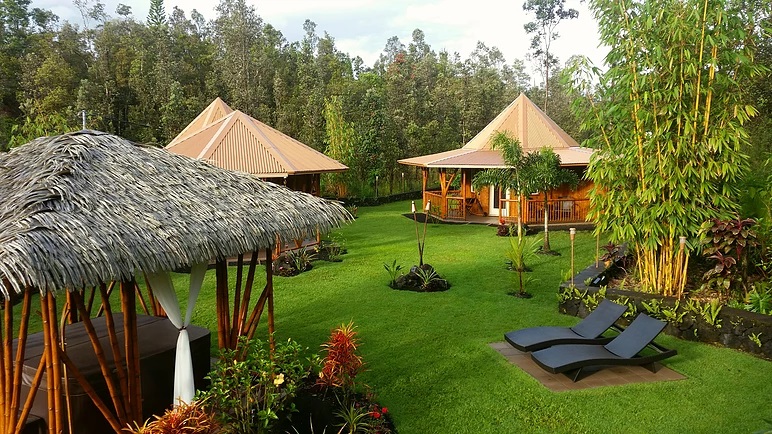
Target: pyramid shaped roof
x: 234, y: 140
x: 521, y: 119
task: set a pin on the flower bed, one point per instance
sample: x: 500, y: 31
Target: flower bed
x: 687, y: 319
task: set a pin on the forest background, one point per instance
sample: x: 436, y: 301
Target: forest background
x: 147, y: 80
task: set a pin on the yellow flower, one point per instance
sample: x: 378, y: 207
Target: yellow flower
x: 279, y: 380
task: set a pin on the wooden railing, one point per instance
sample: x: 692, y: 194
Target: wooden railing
x: 452, y: 207
x: 558, y: 210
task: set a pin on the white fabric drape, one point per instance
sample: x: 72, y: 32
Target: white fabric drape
x: 163, y: 289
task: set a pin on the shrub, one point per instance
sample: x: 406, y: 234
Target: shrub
x: 248, y: 393
x: 341, y: 363
x: 190, y: 418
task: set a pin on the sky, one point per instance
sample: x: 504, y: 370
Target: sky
x: 362, y: 27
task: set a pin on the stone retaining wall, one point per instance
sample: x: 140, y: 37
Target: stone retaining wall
x: 735, y: 328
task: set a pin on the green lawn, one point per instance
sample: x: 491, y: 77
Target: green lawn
x: 428, y: 357
x: 427, y: 354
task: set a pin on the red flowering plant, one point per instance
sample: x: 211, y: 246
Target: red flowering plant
x: 340, y: 367
x: 342, y: 363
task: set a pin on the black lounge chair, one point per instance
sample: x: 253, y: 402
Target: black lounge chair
x: 623, y: 350
x: 588, y: 331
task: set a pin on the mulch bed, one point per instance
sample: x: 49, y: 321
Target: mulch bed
x: 613, y: 376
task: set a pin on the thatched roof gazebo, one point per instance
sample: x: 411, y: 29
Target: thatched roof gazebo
x: 82, y: 211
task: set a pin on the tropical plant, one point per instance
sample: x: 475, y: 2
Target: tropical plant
x: 341, y: 364
x: 543, y: 173
x: 521, y: 250
x: 301, y: 259
x: 354, y: 419
x: 669, y: 128
x: 187, y: 418
x: 509, y: 178
x: 393, y: 271
x: 251, y: 386
x: 760, y: 299
x: 729, y: 243
x: 426, y: 276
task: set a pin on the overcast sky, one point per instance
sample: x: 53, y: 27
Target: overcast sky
x: 362, y: 27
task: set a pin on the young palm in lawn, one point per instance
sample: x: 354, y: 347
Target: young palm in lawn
x: 509, y: 178
x: 543, y: 173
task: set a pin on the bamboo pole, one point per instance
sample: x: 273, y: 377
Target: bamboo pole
x: 248, y: 292
x: 269, y: 286
x: 115, y: 424
x: 105, y: 368
x: 31, y: 396
x: 141, y: 299
x: 234, y: 337
x: 257, y: 311
x: 109, y: 291
x: 5, y: 370
x: 63, y: 346
x: 223, y: 322
x: 129, y: 307
x: 21, y: 345
x: 47, y: 348
x: 56, y: 363
x: 90, y: 303
x: 111, y: 334
x: 157, y: 309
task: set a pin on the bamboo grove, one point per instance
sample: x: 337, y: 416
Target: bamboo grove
x: 670, y: 122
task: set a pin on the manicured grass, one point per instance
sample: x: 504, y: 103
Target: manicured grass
x: 428, y: 357
x: 427, y: 354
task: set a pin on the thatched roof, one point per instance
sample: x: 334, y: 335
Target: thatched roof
x: 88, y: 207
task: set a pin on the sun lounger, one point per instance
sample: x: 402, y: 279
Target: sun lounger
x: 621, y: 351
x: 588, y: 331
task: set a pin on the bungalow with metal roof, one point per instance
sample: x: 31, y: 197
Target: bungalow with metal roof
x: 234, y: 140
x: 523, y: 120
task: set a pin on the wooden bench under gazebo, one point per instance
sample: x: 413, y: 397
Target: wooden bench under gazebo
x: 87, y: 212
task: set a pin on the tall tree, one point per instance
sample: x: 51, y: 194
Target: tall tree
x: 547, y: 15
x: 156, y: 16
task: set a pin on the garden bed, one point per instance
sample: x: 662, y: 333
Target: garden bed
x: 687, y: 319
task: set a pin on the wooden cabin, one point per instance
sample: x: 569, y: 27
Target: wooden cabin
x: 455, y: 169
x: 234, y: 140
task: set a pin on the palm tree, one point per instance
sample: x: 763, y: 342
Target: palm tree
x: 509, y: 178
x: 543, y: 173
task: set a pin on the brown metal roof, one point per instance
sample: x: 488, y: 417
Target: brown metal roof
x: 523, y: 120
x: 236, y: 141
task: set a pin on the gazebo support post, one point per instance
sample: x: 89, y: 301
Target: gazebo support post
x: 118, y: 400
x: 244, y: 322
x: 25, y: 411
x: 269, y: 289
x: 10, y: 418
x: 234, y: 331
x: 114, y: 346
x: 89, y: 390
x: 248, y: 292
x: 129, y: 307
x: 53, y: 368
x: 223, y: 310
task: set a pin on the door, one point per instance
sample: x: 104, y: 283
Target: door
x: 495, y: 196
